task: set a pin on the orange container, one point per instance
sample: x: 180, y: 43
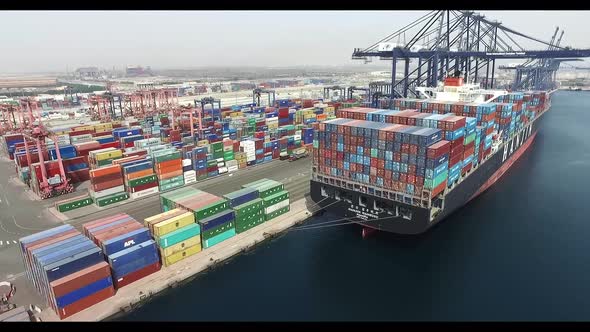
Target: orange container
x: 169, y: 163
x: 169, y: 175
x: 168, y: 169
x: 139, y: 174
x: 107, y: 170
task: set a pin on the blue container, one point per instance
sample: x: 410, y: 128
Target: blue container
x: 125, y: 241
x: 130, y: 254
x: 138, y: 167
x: 216, y: 220
x: 242, y: 196
x: 72, y: 264
x: 104, y: 139
x: 213, y: 173
x: 433, y: 163
x: 83, y: 292
x: 137, y: 264
x: 58, y: 247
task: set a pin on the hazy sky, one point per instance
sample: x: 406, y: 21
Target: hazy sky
x: 45, y: 41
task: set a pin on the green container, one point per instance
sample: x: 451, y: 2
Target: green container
x: 248, y: 208
x: 211, y: 163
x: 172, y: 179
x: 211, y: 209
x: 246, y: 218
x: 229, y: 155
x: 143, y: 180
x: 106, y: 162
x: 266, y: 187
x: 168, y: 199
x: 111, y: 199
x: 219, y: 238
x: 68, y: 206
x: 171, y: 185
x: 244, y: 226
x: 168, y: 156
x: 431, y: 184
x: 277, y: 213
x: 217, y: 230
x: 469, y: 139
x: 178, y: 235
x: 275, y: 198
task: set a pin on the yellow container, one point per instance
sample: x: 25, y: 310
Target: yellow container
x: 109, y: 155
x: 89, y: 127
x: 172, y: 224
x: 151, y: 221
x: 203, y: 143
x: 193, y: 241
x: 176, y: 257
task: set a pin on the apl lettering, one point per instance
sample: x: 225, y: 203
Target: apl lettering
x: 129, y: 243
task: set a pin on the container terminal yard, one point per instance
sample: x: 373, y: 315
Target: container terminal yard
x: 148, y: 190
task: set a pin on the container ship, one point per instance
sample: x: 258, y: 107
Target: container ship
x: 405, y: 169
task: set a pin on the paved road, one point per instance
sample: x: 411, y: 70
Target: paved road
x: 20, y: 215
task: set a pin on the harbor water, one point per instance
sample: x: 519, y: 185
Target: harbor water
x: 517, y: 252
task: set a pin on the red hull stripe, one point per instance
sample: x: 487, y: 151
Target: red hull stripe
x: 498, y: 174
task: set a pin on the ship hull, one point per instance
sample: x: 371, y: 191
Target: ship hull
x: 396, y: 216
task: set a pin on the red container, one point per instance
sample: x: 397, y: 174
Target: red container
x: 470, y: 145
x: 86, y: 302
x: 86, y: 227
x: 99, y: 234
x: 107, y: 184
x: 80, y: 279
x: 455, y: 159
x: 438, y: 149
x: 99, y: 239
x: 144, y: 186
x: 439, y: 189
x: 80, y: 175
x: 115, y: 145
x: 135, y: 153
x: 104, y: 133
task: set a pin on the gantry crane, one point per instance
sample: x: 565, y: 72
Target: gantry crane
x: 37, y: 133
x: 448, y: 41
x: 353, y: 88
x: 256, y: 96
x: 341, y: 92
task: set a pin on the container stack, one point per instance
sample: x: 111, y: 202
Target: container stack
x: 248, y: 208
x: 67, y: 269
x: 103, y: 157
x: 106, y: 185
x: 176, y: 233
x: 212, y: 213
x: 127, y: 245
x: 199, y: 162
x: 275, y: 199
x: 469, y: 145
x: 168, y: 166
x: 139, y: 177
x: 248, y: 147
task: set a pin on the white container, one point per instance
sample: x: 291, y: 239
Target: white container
x: 277, y: 206
x: 232, y: 168
x: 186, y: 162
x: 106, y: 192
x: 222, y: 170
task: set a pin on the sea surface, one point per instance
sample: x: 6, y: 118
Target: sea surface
x: 520, y: 251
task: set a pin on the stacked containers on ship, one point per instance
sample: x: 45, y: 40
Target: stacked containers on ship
x: 106, y: 185
x: 139, y: 176
x: 275, y: 200
x: 176, y: 234
x: 469, y: 144
x: 504, y: 120
x: 168, y: 166
x: 248, y: 208
x: 67, y: 269
x: 126, y: 245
